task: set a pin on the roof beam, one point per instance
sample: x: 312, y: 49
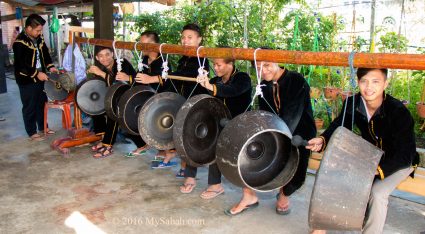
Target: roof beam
x: 38, y: 9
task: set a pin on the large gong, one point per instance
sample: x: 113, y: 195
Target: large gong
x: 197, y: 128
x: 343, y: 182
x: 112, y: 97
x: 54, y: 89
x: 157, y: 118
x: 67, y: 81
x: 129, y: 106
x: 90, y: 96
x: 254, y: 150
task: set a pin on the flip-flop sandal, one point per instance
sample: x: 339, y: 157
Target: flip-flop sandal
x: 214, y: 193
x: 188, y: 185
x: 180, y: 174
x: 134, y: 154
x: 36, y: 137
x: 161, y: 165
x: 104, y: 152
x: 49, y: 132
x: 96, y: 147
x: 284, y: 211
x: 248, y: 207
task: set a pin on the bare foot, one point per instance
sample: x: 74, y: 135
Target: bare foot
x: 282, y: 203
x: 212, y: 191
x: 188, y: 185
x: 318, y: 232
x: 248, y: 198
x: 169, y: 155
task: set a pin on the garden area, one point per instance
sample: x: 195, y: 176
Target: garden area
x: 294, y: 25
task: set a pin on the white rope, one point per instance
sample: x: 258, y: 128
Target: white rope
x: 258, y: 91
x: 118, y: 57
x: 202, y: 74
x: 140, y: 64
x: 165, y: 68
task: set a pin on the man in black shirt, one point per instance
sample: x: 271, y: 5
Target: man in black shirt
x: 32, y: 61
x: 287, y: 94
x: 385, y: 122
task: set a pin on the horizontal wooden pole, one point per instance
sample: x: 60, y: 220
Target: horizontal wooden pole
x: 183, y: 78
x: 371, y: 60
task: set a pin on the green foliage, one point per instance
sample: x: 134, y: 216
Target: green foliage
x: 391, y: 42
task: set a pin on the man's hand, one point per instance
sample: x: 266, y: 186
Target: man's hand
x: 42, y: 76
x: 144, y: 79
x: 122, y: 76
x: 53, y: 70
x: 96, y: 71
x: 205, y: 82
x: 315, y: 144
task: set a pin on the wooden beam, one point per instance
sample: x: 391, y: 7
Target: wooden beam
x: 25, y: 13
x: 38, y: 9
x: 371, y: 60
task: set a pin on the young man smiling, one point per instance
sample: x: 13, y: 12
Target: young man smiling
x: 385, y: 122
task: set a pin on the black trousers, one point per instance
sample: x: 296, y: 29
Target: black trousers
x: 104, y: 124
x: 299, y: 177
x: 99, y: 124
x: 33, y: 100
x: 138, y: 140
x: 214, y: 173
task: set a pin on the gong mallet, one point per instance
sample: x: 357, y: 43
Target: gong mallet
x: 297, y: 141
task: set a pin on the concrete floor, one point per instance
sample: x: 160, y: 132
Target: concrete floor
x: 40, y: 189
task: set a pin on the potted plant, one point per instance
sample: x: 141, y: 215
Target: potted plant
x: 333, y: 81
x: 420, y: 106
x: 315, y: 92
x: 319, y: 119
x: 345, y: 94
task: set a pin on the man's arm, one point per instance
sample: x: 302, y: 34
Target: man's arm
x: 238, y: 86
x: 403, y: 142
x: 21, y: 65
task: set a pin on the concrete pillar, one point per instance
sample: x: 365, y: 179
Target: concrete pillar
x: 103, y: 22
x: 3, y: 50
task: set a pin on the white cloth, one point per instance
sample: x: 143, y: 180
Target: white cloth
x: 80, y: 63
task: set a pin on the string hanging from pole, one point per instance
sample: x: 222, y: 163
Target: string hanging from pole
x: 353, y: 86
x: 202, y: 74
x: 165, y: 68
x: 118, y: 57
x: 139, y: 57
x: 258, y: 90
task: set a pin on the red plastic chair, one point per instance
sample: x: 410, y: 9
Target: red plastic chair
x: 65, y: 106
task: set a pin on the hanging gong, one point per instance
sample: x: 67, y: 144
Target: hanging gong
x: 67, y: 81
x: 343, y: 182
x: 54, y: 89
x: 90, y: 96
x: 129, y: 106
x: 254, y: 150
x: 157, y: 118
x: 112, y: 97
x: 197, y: 127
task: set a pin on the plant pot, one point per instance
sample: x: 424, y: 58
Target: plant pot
x: 420, y: 108
x: 345, y: 94
x: 319, y: 123
x: 332, y: 92
x: 315, y: 92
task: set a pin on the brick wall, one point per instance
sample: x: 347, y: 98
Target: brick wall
x: 8, y: 26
